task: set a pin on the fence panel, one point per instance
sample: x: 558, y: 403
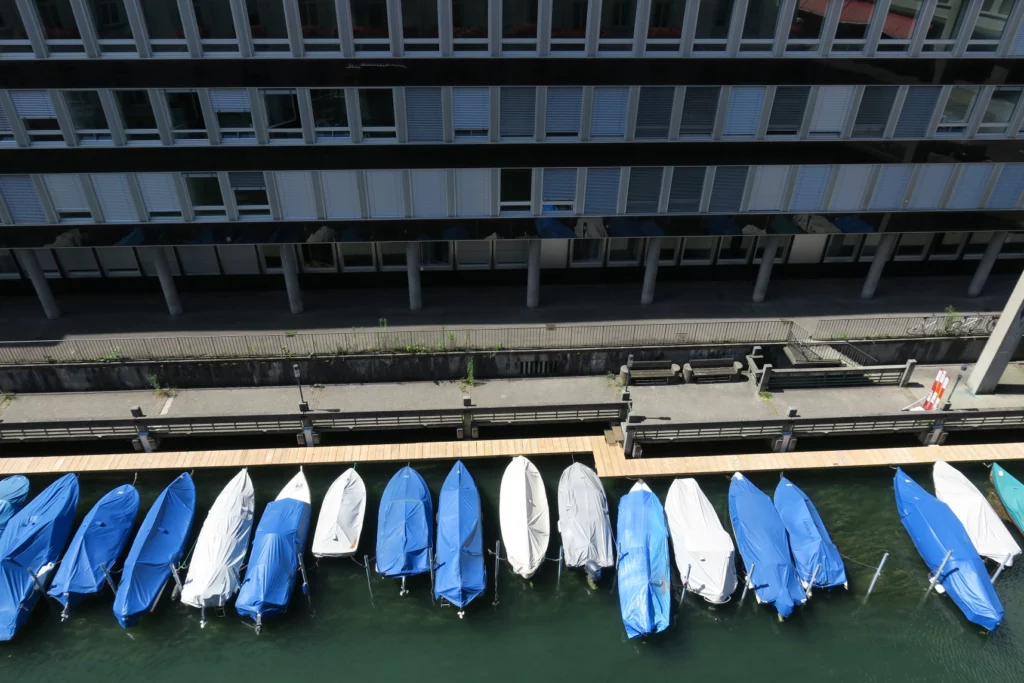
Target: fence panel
x: 944, y: 325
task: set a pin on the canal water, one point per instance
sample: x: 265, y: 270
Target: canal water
x: 541, y: 630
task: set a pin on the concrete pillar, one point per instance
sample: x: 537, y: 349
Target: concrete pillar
x: 987, y: 261
x: 651, y: 270
x: 30, y: 264
x: 533, y: 275
x: 885, y: 247
x: 1000, y: 346
x: 764, y: 273
x: 163, y: 272
x: 412, y: 265
x: 291, y: 278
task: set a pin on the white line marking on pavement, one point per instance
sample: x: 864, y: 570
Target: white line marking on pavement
x: 167, y: 406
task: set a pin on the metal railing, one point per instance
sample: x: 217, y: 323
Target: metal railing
x: 941, y: 325
x: 384, y: 340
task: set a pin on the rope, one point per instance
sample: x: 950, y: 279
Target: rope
x: 869, y: 566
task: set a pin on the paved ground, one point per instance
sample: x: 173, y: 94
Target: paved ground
x: 805, y: 301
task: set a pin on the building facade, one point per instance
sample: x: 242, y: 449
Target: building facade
x: 225, y: 143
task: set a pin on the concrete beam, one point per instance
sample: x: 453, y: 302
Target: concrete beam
x: 885, y: 248
x: 533, y: 275
x: 764, y: 273
x: 30, y: 265
x: 999, y: 348
x: 163, y: 272
x: 412, y: 266
x: 290, y: 268
x: 651, y: 270
x: 988, y: 260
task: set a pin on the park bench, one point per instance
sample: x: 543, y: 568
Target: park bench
x: 649, y: 371
x: 712, y: 370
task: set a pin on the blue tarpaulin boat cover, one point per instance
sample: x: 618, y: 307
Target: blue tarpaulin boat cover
x: 13, y: 492
x: 935, y: 531
x: 274, y: 561
x: 159, y: 543
x: 32, y: 541
x: 461, y: 574
x: 811, y: 546
x: 643, y: 566
x: 98, y: 543
x: 552, y: 228
x: 405, y: 529
x: 761, y: 539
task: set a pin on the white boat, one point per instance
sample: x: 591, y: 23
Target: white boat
x: 220, y: 550
x: 583, y: 518
x: 701, y: 543
x: 341, y: 517
x: 987, y: 532
x: 523, y: 512
x: 297, y: 488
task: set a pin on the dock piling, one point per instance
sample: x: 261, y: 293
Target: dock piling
x: 747, y: 584
x: 369, y: 586
x: 561, y: 565
x: 686, y: 580
x: 938, y: 572
x: 497, y: 560
x: 1002, y: 566
x: 874, y: 579
x: 814, y: 577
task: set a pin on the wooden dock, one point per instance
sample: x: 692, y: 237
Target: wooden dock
x: 608, y: 458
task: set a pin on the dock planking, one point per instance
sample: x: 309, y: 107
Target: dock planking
x: 609, y: 460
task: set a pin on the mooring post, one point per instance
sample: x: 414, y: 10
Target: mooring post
x: 305, y: 580
x: 747, y: 583
x: 561, y: 564
x: 369, y: 586
x: 430, y: 560
x: 110, y: 581
x: 177, y: 582
x: 1002, y: 566
x: 938, y: 573
x: 874, y: 579
x: 686, y: 580
x: 814, y: 576
x: 497, y: 559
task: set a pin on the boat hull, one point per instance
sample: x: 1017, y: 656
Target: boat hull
x: 340, y: 523
x: 524, y: 517
x: 987, y: 532
x: 583, y: 521
x: 1011, y: 494
x: 461, y: 574
x: 703, y: 548
x: 814, y: 554
x: 644, y: 578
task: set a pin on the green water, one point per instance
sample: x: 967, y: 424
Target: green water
x: 543, y: 631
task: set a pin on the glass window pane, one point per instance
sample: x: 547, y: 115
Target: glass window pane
x: 618, y: 18
x: 185, y: 111
x: 1000, y: 107
x: 329, y: 108
x: 960, y: 105
x: 762, y: 15
x: 666, y: 19
x: 214, y: 19
x: 515, y: 185
x: 57, y: 19
x: 110, y: 19
x: 282, y: 110
x: 369, y: 18
x: 136, y: 110
x: 469, y: 19
x: 318, y: 18
x: 992, y: 20
x: 376, y: 107
x: 162, y: 19
x: 854, y: 21
x: 947, y: 20
x: 266, y: 19
x: 899, y: 24
x: 713, y: 19
x: 568, y: 18
x: 85, y: 108
x: 204, y: 190
x: 806, y: 25
x: 11, y: 27
x: 419, y: 18
x: 519, y: 18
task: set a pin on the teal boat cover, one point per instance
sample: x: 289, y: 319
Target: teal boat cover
x: 405, y: 529
x: 461, y: 574
x: 274, y: 561
x: 159, y: 543
x: 1011, y: 493
x: 13, y: 492
x: 644, y: 579
x: 814, y: 553
x: 31, y: 544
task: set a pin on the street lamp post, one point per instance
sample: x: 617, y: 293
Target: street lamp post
x: 303, y: 406
x: 949, y: 401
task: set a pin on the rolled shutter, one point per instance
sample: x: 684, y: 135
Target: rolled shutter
x: 66, y: 193
x: 687, y: 189
x: 473, y: 191
x: 158, y: 193
x: 423, y: 114
x: 917, y: 111
x: 930, y: 190
x: 471, y: 108
x: 33, y: 104
x: 5, y: 124
x: 767, y: 188
x: 970, y: 186
x: 727, y: 190
x: 247, y: 180
x: 341, y: 194
x: 644, y: 190
x: 602, y: 193
x: 874, y: 111
x: 518, y: 112
x: 608, y: 118
x: 890, y: 187
x: 230, y: 99
x: 654, y: 112
x: 295, y: 194
x: 809, y: 190
x: 114, y: 197
x: 1017, y: 49
x: 562, y: 115
x: 429, y: 198
x: 384, y: 193
x: 22, y: 201
x: 559, y: 185
x: 788, y: 110
x: 1008, y: 188
x: 744, y: 111
x: 830, y: 111
x: 850, y: 188
x: 700, y: 106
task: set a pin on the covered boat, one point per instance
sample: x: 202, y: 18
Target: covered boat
x: 583, y: 518
x: 405, y: 526
x: 761, y: 539
x: 987, y: 532
x: 341, y: 517
x: 936, y: 533
x: 158, y: 545
x: 460, y: 575
x: 13, y: 492
x: 523, y: 516
x: 220, y: 550
x: 703, y: 547
x: 645, y: 584
x: 1011, y: 494
x: 96, y: 547
x: 29, y: 548
x: 815, y: 556
x: 276, y: 553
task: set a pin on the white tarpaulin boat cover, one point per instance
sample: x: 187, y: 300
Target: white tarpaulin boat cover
x: 341, y: 517
x: 987, y: 532
x: 213, y: 571
x: 583, y: 518
x: 523, y: 509
x: 700, y: 542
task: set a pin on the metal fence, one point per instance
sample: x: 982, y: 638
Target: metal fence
x: 384, y: 340
x: 939, y: 325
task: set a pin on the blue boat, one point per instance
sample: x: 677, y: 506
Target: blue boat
x: 405, y: 530
x: 936, y: 532
x: 96, y: 547
x: 814, y: 554
x: 29, y: 547
x: 644, y: 578
x: 276, y: 556
x: 761, y: 539
x: 159, y: 543
x: 13, y: 492
x: 460, y: 575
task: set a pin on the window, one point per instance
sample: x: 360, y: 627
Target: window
x: 111, y: 24
x: 267, y: 25
x: 511, y: 253
x: 875, y: 108
x: 392, y: 255
x: 419, y: 24
x: 114, y: 197
x: 587, y: 252
x: 159, y: 196
x: 899, y: 26
x: 204, y: 193
x: 436, y: 254
x: 474, y: 254
x: 697, y: 250
x: 809, y: 189
x: 804, y: 29
x: 13, y: 37
x: 469, y: 25
x: 1006, y: 192
x: 768, y: 188
x: 37, y: 115
x: 618, y: 18
x: 78, y: 262
x: 957, y: 112
x: 686, y: 189
x: 1000, y: 110
x: 519, y: 25
x: 163, y: 23
x: 654, y: 111
x: 216, y: 26
x: 341, y: 194
x: 6, y: 134
x: 516, y: 190
x: 423, y: 115
x: 890, y: 187
x: 734, y: 249
x: 917, y: 111
x: 330, y: 117
x: 852, y: 29
x: 601, y: 197
x: 357, y: 256
x: 970, y: 186
x: 568, y: 25
x: 912, y: 246
x: 471, y: 113
x: 282, y: 115
x: 271, y: 257
x: 787, y: 110
x: 842, y: 248
x: 473, y: 192
x: 976, y: 245
x: 59, y: 25
x: 727, y: 189
x: 608, y: 117
x: 850, y: 187
x: 945, y: 26
x: 946, y: 246
x: 624, y: 251
x: 745, y: 103
x: 700, y: 105
x: 234, y: 115
x: 644, y: 190
x: 562, y: 116
x: 68, y: 198
x: 317, y: 257
x: 830, y: 111
x: 250, y: 191
x: 137, y: 116
x: 759, y: 26
x: 8, y: 266
x: 559, y: 190
x: 377, y: 113
x: 370, y: 25
x: 87, y: 116
x: 187, y: 122
x: 712, y: 30
x: 21, y: 199
x: 384, y: 194
x: 988, y: 30
x: 429, y: 193
x: 319, y: 20
x: 665, y: 25
x: 295, y: 194
x: 518, y: 112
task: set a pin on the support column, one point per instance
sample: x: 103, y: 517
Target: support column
x: 30, y: 264
x: 412, y: 265
x: 163, y: 272
x: 651, y: 270
x: 764, y: 273
x: 291, y: 278
x: 885, y: 247
x: 1000, y: 345
x: 533, y: 275
x: 987, y: 261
